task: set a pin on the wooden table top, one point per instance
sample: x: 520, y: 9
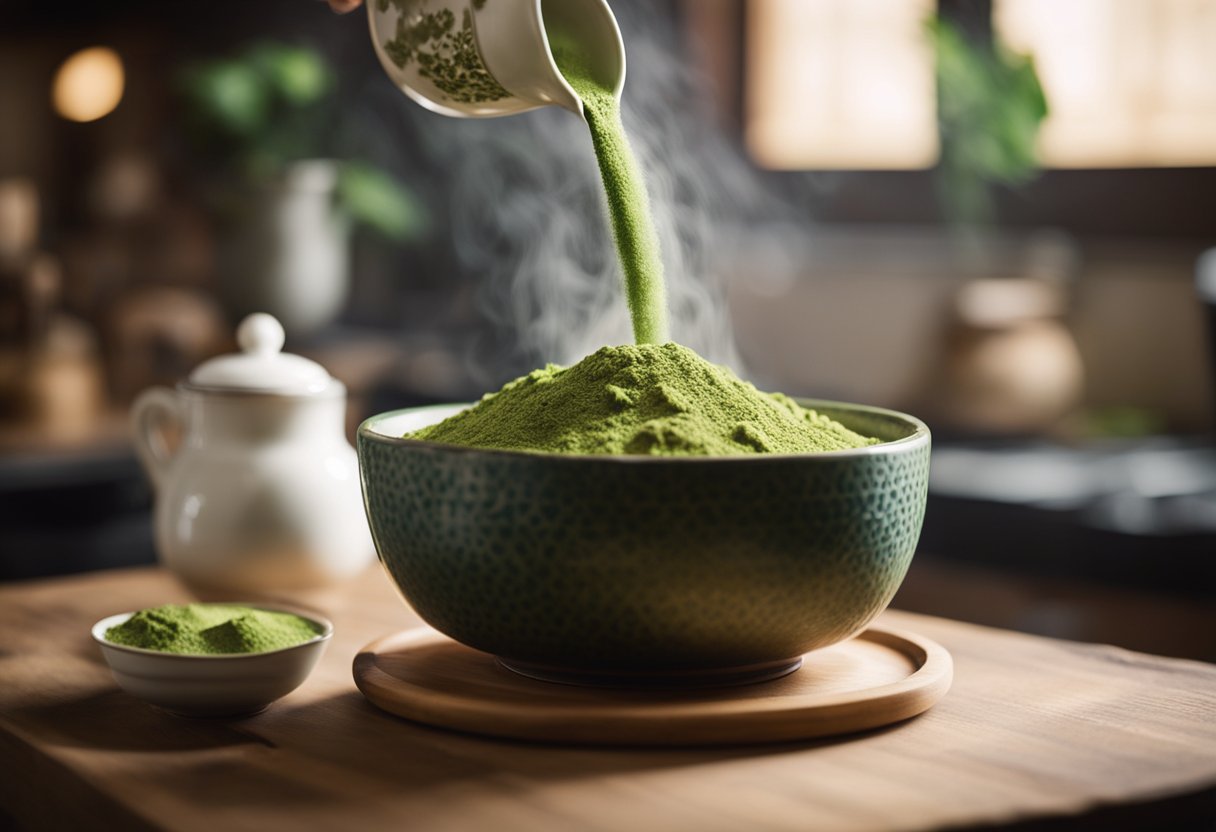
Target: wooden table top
x: 1033, y: 728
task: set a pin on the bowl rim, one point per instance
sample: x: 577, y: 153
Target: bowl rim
x: 920, y: 436
x: 98, y: 632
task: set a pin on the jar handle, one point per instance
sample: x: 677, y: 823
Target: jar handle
x: 152, y: 410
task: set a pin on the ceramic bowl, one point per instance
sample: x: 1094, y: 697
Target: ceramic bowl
x: 599, y: 568
x: 211, y: 685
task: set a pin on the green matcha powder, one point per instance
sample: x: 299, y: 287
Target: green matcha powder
x: 655, y: 398
x: 637, y: 243
x: 212, y: 629
x: 650, y: 399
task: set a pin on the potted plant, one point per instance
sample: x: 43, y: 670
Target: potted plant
x: 990, y: 106
x: 265, y: 121
x: 1011, y: 365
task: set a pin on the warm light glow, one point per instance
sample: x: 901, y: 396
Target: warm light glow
x: 1130, y: 82
x: 88, y: 85
x: 840, y: 84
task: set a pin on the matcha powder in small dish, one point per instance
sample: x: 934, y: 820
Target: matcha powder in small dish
x: 649, y: 399
x: 213, y: 630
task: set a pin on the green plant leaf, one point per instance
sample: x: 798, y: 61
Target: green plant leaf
x: 295, y: 74
x: 378, y: 200
x: 990, y: 108
x: 228, y: 96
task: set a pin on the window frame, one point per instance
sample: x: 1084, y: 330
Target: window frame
x: 1159, y: 202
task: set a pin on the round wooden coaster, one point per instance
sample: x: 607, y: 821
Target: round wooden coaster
x: 880, y: 677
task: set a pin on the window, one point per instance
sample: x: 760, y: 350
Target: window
x: 840, y: 84
x: 1131, y: 83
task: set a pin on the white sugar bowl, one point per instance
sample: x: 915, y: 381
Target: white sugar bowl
x: 261, y: 493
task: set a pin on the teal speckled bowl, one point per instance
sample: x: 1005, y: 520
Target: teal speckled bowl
x: 602, y: 568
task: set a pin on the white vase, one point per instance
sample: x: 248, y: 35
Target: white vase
x: 289, y: 254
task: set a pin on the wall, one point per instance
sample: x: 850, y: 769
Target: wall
x: 857, y: 314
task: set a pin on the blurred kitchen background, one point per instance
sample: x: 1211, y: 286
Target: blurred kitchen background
x: 991, y: 213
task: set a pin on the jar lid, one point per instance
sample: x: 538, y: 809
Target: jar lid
x: 261, y: 366
x: 999, y: 302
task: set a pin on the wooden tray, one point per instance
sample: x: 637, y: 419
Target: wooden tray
x: 880, y: 677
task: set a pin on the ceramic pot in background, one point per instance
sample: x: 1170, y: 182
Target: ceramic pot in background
x: 1012, y: 366
x: 289, y: 253
x: 261, y: 495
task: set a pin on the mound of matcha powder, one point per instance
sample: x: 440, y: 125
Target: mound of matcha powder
x: 212, y: 629
x: 647, y: 399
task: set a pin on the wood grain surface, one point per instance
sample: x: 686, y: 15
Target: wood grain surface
x: 1031, y: 729
x: 879, y: 678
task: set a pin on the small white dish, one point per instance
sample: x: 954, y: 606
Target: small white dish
x: 212, y: 685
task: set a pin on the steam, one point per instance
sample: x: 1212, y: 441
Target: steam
x: 527, y: 219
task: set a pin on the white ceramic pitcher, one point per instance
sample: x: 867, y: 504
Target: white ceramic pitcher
x: 262, y: 492
x: 479, y: 58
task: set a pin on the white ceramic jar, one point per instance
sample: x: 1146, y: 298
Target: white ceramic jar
x: 261, y: 493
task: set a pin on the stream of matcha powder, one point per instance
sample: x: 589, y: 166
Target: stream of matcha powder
x: 212, y: 629
x: 654, y: 398
x: 662, y: 400
x: 637, y: 242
